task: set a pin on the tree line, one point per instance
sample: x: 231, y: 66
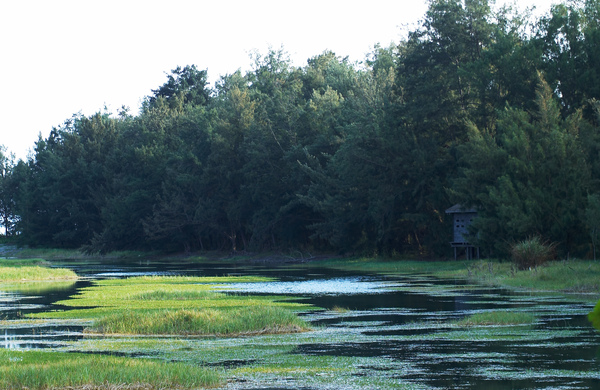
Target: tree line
x: 490, y: 109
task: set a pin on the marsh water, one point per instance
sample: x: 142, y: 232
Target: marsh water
x: 398, y: 330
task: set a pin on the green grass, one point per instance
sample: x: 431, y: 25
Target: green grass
x: 38, y: 287
x: 53, y: 370
x: 500, y: 317
x: 22, y: 270
x: 573, y: 276
x: 161, y: 295
x: 237, y: 321
x: 178, y: 306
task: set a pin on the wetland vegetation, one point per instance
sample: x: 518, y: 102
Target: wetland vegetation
x: 178, y: 306
x: 567, y: 276
x: 398, y: 332
x: 30, y: 270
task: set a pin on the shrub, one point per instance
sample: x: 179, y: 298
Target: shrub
x: 594, y: 316
x: 531, y: 253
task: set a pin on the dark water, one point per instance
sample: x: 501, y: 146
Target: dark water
x: 403, y: 320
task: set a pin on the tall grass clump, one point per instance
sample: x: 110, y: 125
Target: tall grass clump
x: 531, y: 253
x: 201, y: 322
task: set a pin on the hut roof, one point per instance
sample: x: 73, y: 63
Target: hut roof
x: 458, y: 208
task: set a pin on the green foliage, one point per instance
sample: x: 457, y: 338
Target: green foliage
x: 184, y: 86
x: 594, y: 316
x: 334, y: 155
x: 526, y: 176
x: 9, y: 185
x: 592, y: 219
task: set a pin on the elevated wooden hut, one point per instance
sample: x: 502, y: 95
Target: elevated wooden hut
x: 462, y: 219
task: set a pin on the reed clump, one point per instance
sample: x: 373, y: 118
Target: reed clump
x: 531, y: 253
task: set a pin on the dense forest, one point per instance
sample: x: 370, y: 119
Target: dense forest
x: 495, y: 110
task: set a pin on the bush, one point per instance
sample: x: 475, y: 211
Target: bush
x: 531, y: 253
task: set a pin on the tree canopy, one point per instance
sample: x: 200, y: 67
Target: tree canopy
x: 489, y: 109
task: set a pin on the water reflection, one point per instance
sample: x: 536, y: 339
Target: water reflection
x: 36, y: 337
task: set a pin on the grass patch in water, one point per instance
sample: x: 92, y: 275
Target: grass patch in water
x: 499, y: 317
x: 53, y: 370
x: 38, y: 287
x: 238, y: 321
x: 178, y: 306
x: 17, y: 270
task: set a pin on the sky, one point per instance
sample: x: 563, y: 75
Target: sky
x: 64, y: 57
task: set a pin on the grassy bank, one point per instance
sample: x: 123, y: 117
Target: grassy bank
x: 32, y: 270
x: 178, y: 306
x: 573, y: 276
x: 53, y: 370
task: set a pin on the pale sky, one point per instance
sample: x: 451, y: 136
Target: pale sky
x: 62, y: 57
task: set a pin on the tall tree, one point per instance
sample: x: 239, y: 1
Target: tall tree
x: 527, y: 176
x: 7, y: 191
x: 570, y: 40
x: 184, y: 86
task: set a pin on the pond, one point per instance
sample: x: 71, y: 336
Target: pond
x: 370, y: 332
